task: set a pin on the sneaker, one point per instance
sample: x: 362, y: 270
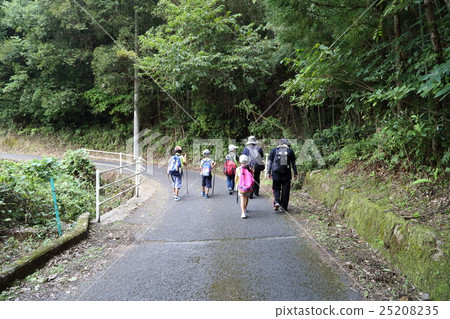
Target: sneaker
x: 276, y: 207
x: 246, y: 210
x: 230, y: 191
x: 203, y: 194
x: 243, y: 215
x: 176, y: 198
x: 206, y: 196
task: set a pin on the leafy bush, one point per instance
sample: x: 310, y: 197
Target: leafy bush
x: 26, y: 196
x: 411, y: 141
x: 342, y: 144
x: 77, y: 164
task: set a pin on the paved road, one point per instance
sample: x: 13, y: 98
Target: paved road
x: 200, y: 249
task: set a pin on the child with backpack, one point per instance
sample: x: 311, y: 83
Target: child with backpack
x: 245, y: 182
x: 175, y: 171
x: 206, y: 166
x: 229, y: 167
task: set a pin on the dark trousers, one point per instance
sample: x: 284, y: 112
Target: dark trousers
x: 230, y: 182
x: 257, y: 177
x: 281, y: 190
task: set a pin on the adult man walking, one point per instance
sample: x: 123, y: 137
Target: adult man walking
x: 255, y: 154
x: 281, y: 161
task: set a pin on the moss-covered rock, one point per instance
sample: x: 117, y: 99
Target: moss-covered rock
x: 420, y: 252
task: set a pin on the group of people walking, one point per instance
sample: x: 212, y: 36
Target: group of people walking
x: 243, y: 172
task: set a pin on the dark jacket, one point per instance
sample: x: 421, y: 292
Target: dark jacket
x: 290, y: 161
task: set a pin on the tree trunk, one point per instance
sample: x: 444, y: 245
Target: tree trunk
x: 398, y: 58
x: 319, y: 118
x: 447, y: 2
x: 435, y: 38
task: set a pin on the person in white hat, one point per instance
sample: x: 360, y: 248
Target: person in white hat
x: 245, y: 183
x: 229, y: 167
x: 256, y: 161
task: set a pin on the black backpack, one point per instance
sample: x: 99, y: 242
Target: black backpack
x: 280, y: 163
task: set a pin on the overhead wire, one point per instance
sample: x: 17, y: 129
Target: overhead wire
x: 185, y: 111
x: 320, y: 56
x: 134, y: 60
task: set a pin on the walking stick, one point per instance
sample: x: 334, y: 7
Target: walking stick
x: 187, y: 182
x: 214, y: 181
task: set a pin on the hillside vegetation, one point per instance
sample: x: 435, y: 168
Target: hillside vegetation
x: 368, y: 80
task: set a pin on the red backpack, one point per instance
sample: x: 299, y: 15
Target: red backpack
x: 229, y: 168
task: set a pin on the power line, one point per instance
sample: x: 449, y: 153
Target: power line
x: 134, y: 59
x: 320, y: 56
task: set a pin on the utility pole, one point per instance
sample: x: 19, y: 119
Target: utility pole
x: 136, y: 86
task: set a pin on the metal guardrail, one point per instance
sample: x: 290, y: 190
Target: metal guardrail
x: 126, y: 162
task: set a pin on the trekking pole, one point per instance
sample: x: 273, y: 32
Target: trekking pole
x: 214, y: 182
x: 187, y: 182
x: 237, y: 191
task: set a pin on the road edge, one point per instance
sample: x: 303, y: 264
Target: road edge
x: 38, y: 258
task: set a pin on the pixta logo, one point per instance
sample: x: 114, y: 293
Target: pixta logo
x: 154, y: 144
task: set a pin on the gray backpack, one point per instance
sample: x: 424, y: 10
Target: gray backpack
x: 280, y: 163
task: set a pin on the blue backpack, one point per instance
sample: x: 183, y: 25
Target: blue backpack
x: 206, y: 167
x: 174, y: 166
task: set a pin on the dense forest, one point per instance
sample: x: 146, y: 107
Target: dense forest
x: 368, y: 80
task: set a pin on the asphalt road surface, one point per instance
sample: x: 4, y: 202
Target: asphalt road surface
x: 200, y: 249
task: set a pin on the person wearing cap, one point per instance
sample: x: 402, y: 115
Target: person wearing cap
x: 256, y: 161
x: 177, y: 176
x: 231, y: 160
x: 281, y: 165
x: 206, y: 166
x: 244, y: 168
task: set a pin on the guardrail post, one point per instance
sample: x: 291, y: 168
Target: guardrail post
x: 97, y: 195
x: 136, y: 178
x: 120, y: 164
x: 267, y: 164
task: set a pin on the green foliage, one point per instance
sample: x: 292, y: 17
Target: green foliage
x: 202, y: 52
x: 77, y: 164
x: 394, y: 81
x: 344, y: 144
x: 209, y: 69
x: 437, y: 82
x: 26, y: 197
x: 408, y: 140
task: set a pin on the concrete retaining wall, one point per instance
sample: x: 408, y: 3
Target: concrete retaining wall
x: 419, y: 252
x: 36, y: 259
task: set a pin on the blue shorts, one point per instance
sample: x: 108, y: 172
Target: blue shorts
x: 176, y: 181
x: 206, y: 181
